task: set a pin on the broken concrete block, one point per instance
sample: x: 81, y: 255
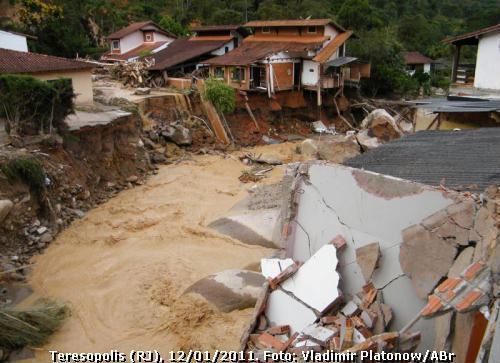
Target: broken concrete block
x: 230, y: 289
x: 462, y: 213
x: 443, y: 332
x: 308, y: 148
x: 368, y: 318
x: 453, y: 233
x: 279, y: 329
x: 339, y: 242
x: 282, y: 309
x: 367, y: 142
x: 350, y: 309
x: 318, y: 333
x: 272, y: 267
x: 463, y: 260
x: 337, y: 149
x: 316, y: 282
x: 425, y: 258
x: 367, y: 258
x: 382, y: 125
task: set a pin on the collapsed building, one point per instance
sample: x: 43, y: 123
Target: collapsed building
x: 371, y: 262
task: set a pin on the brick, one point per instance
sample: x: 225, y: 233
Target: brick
x: 472, y: 271
x: 450, y: 295
x: 269, y: 341
x: 433, y: 306
x: 328, y: 320
x: 469, y: 300
x: 370, y: 293
x: 335, y: 344
x: 286, y: 273
x: 339, y: 242
x: 448, y: 284
x: 278, y: 330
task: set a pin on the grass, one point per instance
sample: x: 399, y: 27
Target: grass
x: 30, y: 327
x: 29, y: 170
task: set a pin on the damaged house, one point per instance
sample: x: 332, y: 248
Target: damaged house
x: 137, y: 40
x: 184, y: 55
x: 284, y: 55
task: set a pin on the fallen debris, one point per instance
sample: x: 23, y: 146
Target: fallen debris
x: 381, y: 124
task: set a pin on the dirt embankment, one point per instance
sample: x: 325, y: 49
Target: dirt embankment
x: 82, y: 169
x: 123, y: 268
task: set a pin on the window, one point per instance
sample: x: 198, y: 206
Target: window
x: 311, y: 29
x: 226, y: 49
x: 238, y: 74
x: 148, y: 37
x: 115, y: 45
x: 266, y: 30
x: 219, y: 72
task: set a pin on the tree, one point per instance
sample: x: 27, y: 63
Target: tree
x: 222, y: 96
x: 172, y: 26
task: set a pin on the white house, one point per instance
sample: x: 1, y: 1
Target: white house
x: 416, y: 61
x: 14, y: 41
x: 483, y: 78
x: 136, y: 40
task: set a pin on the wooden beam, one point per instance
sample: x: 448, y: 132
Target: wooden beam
x: 455, y: 63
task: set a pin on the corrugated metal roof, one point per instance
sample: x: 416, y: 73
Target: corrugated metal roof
x: 340, y: 61
x: 461, y: 158
x: 444, y: 105
x: 251, y: 52
x: 325, y: 53
x: 12, y: 61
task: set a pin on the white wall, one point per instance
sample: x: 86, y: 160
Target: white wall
x: 80, y: 79
x: 222, y: 50
x: 310, y: 73
x: 331, y: 31
x: 13, y: 41
x: 162, y: 38
x: 131, y: 41
x: 488, y: 62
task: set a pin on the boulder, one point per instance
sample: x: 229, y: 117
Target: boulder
x: 178, y: 134
x: 5, y: 208
x: 230, y: 290
x: 337, y: 149
x: 367, y: 142
x: 382, y: 125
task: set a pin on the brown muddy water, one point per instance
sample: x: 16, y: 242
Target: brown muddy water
x: 122, y: 269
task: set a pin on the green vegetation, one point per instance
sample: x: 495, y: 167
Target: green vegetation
x: 222, y: 96
x: 30, y: 327
x: 28, y: 170
x: 32, y: 106
x: 67, y: 28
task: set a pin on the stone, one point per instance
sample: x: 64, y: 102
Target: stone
x: 337, y: 149
x: 41, y: 230
x: 366, y: 141
x: 381, y: 124
x: 5, y: 208
x: 158, y: 158
x: 142, y: 91
x: 230, y: 290
x: 308, y: 148
x: 132, y: 179
x: 173, y: 151
x: 425, y: 258
x: 367, y: 258
x: 46, y: 238
x: 178, y: 134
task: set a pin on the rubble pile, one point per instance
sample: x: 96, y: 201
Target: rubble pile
x: 136, y: 74
x: 372, y: 262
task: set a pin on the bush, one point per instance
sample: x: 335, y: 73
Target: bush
x: 32, y: 106
x: 222, y: 96
x: 30, y: 171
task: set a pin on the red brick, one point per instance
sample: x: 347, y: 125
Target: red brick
x: 433, y: 306
x: 469, y: 299
x: 327, y: 320
x: 269, y: 341
x: 278, y: 330
x: 448, y: 284
x: 472, y: 270
x: 286, y: 273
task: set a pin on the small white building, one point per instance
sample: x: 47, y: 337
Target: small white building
x: 136, y: 40
x: 416, y: 61
x: 481, y: 79
x: 14, y: 41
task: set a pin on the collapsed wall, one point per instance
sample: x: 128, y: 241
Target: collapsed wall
x: 363, y: 254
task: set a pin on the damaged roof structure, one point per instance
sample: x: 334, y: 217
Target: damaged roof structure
x: 368, y: 261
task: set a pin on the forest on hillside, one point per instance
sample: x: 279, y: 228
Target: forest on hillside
x: 384, y: 28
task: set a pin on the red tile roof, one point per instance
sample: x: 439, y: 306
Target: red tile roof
x: 202, y: 28
x: 292, y: 22
x: 136, y: 52
x: 182, y: 50
x: 473, y: 34
x: 417, y: 58
x: 325, y: 53
x: 138, y: 26
x: 250, y: 52
x: 12, y: 61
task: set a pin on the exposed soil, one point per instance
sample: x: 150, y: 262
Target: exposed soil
x: 122, y: 269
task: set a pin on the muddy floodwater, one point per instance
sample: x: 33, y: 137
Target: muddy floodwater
x: 122, y: 269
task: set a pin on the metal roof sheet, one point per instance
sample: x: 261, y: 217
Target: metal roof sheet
x: 340, y: 61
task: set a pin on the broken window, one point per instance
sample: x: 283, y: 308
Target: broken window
x: 219, y: 72
x: 238, y: 74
